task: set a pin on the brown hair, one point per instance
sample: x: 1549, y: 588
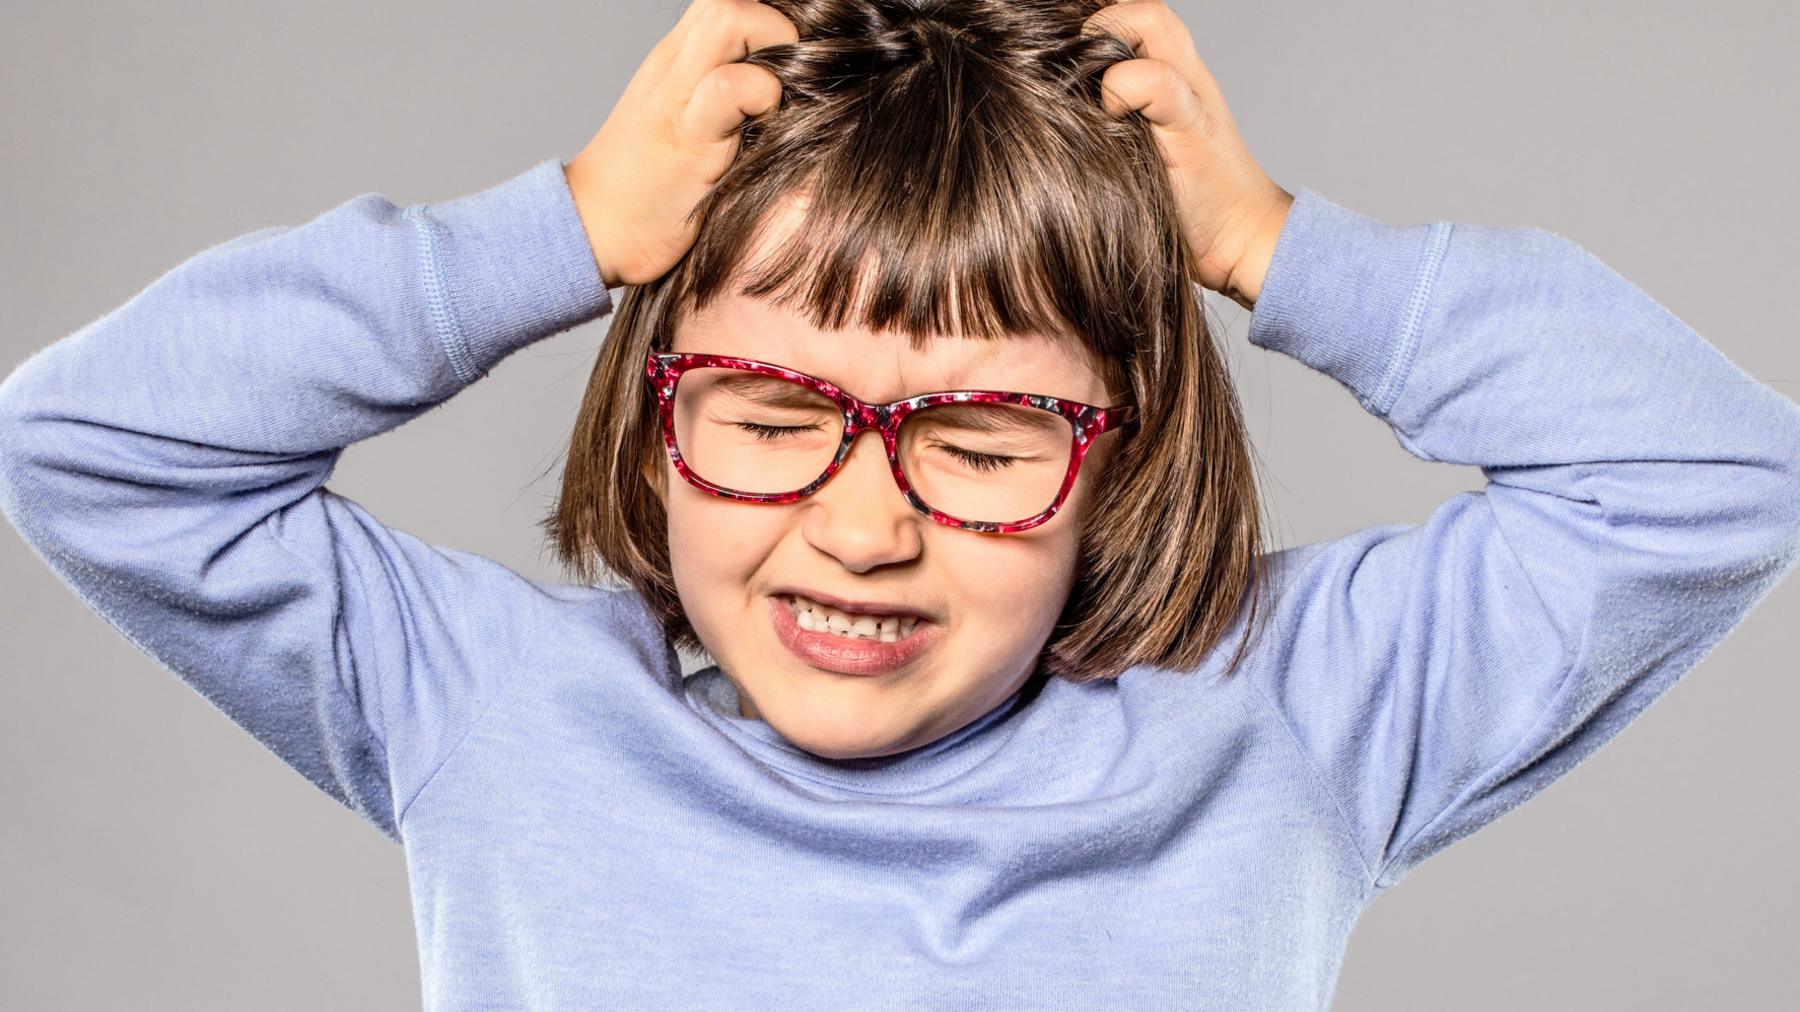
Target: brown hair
x: 962, y: 146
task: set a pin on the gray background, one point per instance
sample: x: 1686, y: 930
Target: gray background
x: 154, y: 856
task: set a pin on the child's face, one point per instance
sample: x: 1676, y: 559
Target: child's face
x: 994, y: 597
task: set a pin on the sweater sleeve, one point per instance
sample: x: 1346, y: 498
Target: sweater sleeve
x: 1642, y: 495
x: 168, y: 461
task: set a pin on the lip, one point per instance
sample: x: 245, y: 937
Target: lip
x: 847, y: 656
x: 848, y: 604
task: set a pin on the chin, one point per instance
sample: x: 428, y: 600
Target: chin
x: 844, y: 744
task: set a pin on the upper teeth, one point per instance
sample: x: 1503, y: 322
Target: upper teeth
x: 822, y: 618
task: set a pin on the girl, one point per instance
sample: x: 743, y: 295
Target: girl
x: 1009, y: 707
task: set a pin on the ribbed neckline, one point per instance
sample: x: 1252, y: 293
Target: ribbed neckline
x: 931, y: 765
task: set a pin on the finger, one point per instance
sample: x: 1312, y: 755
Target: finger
x: 664, y: 52
x: 1155, y: 89
x: 1153, y: 31
x: 726, y: 32
x: 727, y: 96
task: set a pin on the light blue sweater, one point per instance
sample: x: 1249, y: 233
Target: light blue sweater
x: 584, y: 831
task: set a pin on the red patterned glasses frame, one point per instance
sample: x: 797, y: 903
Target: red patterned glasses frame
x: 1088, y: 421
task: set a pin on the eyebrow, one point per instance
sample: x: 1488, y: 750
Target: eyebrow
x: 982, y: 418
x: 772, y: 391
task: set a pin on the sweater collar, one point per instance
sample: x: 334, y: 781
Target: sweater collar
x: 711, y: 694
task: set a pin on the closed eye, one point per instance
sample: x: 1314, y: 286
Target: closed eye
x: 770, y: 433
x: 983, y: 462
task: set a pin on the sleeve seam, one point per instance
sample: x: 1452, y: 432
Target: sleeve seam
x: 474, y: 722
x: 376, y: 733
x: 1437, y: 241
x: 1345, y: 825
x: 451, y: 338
x: 501, y: 691
x: 1475, y: 786
x: 342, y: 560
x: 1572, y: 655
x: 1405, y: 353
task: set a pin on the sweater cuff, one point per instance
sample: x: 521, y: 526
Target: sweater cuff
x: 507, y: 266
x: 1345, y: 294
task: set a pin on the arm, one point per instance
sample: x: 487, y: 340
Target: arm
x: 168, y: 462
x: 1643, y: 495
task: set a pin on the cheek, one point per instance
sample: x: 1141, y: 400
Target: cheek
x: 713, y: 539
x: 719, y: 553
x: 1016, y: 582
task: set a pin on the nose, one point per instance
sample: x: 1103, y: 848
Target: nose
x: 859, y: 516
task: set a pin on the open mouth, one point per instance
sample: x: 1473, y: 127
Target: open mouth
x: 815, y: 617
x: 853, y: 652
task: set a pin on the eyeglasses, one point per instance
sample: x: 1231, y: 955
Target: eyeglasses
x: 989, y: 461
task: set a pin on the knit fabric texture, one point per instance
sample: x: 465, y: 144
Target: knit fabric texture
x: 583, y: 828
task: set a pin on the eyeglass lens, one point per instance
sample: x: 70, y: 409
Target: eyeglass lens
x: 759, y: 434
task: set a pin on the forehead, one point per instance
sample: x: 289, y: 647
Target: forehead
x: 883, y: 366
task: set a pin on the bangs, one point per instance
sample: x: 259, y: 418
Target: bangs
x: 938, y: 199
x: 945, y: 169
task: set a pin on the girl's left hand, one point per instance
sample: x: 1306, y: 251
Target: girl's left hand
x: 1232, y: 212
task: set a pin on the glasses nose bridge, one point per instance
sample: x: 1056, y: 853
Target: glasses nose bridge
x: 871, y: 418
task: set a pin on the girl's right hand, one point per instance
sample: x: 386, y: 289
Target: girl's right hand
x: 671, y: 135
x: 1231, y: 211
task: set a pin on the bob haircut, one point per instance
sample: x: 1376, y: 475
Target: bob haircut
x: 960, y: 145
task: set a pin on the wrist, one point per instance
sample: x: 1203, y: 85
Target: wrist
x: 591, y: 222
x: 1243, y: 284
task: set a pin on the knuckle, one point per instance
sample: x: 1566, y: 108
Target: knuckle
x: 722, y: 20
x: 723, y: 80
x: 1144, y: 76
x: 1126, y: 80
x: 1163, y: 17
x: 1170, y: 78
x: 1194, y: 117
x: 741, y: 13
